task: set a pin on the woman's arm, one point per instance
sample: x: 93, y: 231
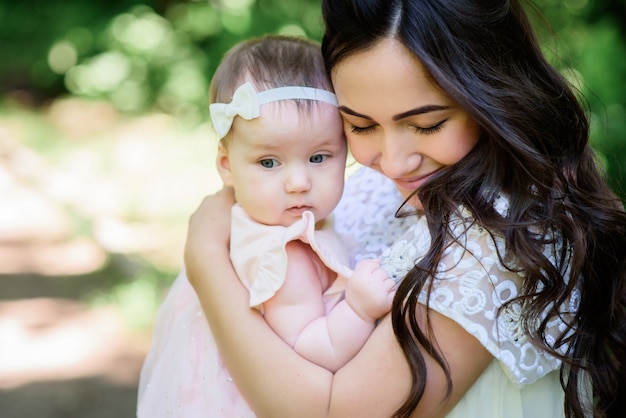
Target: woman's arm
x: 278, y: 382
x: 260, y: 369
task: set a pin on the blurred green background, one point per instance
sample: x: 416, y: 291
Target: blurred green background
x: 159, y: 56
x: 105, y: 150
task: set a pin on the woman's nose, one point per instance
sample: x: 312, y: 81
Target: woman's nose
x: 399, y: 156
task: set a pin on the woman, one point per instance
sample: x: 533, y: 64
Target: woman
x: 516, y: 305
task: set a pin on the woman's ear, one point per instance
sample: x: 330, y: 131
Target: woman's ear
x: 223, y: 164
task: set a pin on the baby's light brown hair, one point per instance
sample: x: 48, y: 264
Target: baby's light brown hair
x: 269, y: 62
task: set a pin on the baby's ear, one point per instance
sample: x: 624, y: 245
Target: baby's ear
x: 223, y: 164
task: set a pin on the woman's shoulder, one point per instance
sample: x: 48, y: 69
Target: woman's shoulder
x: 476, y: 285
x: 473, y: 287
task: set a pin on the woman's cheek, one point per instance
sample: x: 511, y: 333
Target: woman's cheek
x: 359, y: 150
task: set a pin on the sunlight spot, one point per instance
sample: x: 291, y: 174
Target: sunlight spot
x: 143, y: 31
x: 236, y: 21
x: 62, y: 57
x: 186, y: 82
x: 131, y: 95
x: 237, y: 4
x: 103, y: 73
x: 292, y: 30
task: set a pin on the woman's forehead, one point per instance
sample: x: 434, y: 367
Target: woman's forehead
x: 386, y: 77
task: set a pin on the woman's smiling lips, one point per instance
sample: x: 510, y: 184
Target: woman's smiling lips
x: 412, y: 183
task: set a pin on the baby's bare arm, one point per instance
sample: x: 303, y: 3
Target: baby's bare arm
x: 296, y: 312
x: 299, y: 301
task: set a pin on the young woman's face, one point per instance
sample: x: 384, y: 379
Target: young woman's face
x: 396, y: 120
x: 285, y: 162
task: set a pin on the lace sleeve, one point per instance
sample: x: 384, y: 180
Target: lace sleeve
x: 471, y: 287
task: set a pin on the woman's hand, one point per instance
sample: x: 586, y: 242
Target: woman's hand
x: 208, y: 233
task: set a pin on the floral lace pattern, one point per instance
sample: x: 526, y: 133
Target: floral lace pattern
x: 365, y: 217
x: 472, y: 284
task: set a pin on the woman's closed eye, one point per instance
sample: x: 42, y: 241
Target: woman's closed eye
x: 362, y: 130
x: 418, y: 129
x: 430, y: 129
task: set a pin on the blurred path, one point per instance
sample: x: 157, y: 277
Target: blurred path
x: 70, y: 215
x: 58, y: 357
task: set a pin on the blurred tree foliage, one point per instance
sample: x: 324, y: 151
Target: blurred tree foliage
x: 160, y: 54
x: 590, y: 48
x: 137, y: 54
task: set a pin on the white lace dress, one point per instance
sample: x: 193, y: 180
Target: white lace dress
x: 522, y: 381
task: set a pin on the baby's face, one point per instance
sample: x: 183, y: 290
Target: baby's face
x: 286, y: 161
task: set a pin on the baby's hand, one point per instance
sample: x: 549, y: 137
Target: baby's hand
x: 370, y: 291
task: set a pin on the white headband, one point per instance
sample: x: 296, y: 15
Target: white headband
x: 247, y: 103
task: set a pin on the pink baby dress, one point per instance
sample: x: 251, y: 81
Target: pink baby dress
x: 183, y: 375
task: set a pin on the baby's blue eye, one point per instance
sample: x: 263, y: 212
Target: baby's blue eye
x: 268, y: 163
x: 318, y: 158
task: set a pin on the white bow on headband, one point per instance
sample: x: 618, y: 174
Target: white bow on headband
x: 247, y: 103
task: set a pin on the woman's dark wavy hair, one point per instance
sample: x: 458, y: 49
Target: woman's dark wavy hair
x: 534, y: 148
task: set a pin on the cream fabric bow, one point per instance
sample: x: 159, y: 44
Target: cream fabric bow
x: 245, y: 104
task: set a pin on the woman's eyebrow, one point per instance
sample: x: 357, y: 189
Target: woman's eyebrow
x: 349, y: 111
x: 417, y: 111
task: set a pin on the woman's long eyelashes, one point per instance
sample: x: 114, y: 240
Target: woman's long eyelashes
x: 431, y: 129
x: 361, y: 130
x: 418, y: 129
